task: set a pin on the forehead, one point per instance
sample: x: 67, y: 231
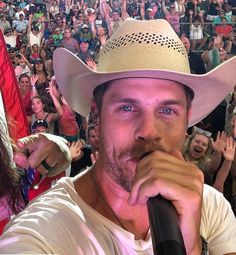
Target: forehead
x: 147, y: 90
x: 92, y: 132
x: 36, y: 100
x: 200, y: 137
x: 40, y: 129
x: 24, y: 79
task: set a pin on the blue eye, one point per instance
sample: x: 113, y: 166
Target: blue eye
x: 126, y: 108
x: 167, y: 110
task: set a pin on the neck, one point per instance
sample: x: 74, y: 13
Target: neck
x: 110, y: 200
x: 40, y: 115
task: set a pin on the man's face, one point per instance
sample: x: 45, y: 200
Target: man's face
x: 84, y: 46
x: 67, y: 33
x: 139, y: 115
x: 115, y: 16
x: 40, y: 129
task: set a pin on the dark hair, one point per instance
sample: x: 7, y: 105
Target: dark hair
x: 44, y: 70
x: 23, y: 76
x: 9, y: 176
x: 100, y: 91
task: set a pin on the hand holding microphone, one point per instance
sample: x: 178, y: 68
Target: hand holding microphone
x: 164, y: 224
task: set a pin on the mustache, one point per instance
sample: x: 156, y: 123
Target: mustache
x: 140, y: 150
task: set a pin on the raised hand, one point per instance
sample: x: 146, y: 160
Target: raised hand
x: 33, y: 79
x: 18, y: 70
x: 229, y: 150
x: 217, y: 41
x: 92, y: 17
x: 219, y: 144
x: 94, y: 156
x: 76, y: 150
x: 91, y: 64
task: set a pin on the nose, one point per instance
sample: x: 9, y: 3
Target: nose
x: 149, y: 129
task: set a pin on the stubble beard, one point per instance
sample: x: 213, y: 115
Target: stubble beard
x: 122, y: 176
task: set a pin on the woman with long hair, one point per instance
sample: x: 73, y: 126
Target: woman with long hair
x: 41, y: 112
x: 24, y: 82
x: 42, y: 82
x: 47, y: 61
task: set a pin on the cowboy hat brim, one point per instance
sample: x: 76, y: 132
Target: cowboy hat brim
x: 77, y: 83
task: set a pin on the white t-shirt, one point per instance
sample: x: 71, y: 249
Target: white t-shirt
x: 60, y: 222
x: 196, y: 33
x: 35, y: 39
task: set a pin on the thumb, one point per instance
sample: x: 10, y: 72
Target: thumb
x: 28, y: 143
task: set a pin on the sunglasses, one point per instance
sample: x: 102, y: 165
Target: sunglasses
x: 200, y: 131
x: 38, y: 61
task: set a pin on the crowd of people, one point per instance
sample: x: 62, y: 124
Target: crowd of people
x: 140, y: 114
x: 34, y: 29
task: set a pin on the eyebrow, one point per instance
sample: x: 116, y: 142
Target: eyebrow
x: 136, y: 101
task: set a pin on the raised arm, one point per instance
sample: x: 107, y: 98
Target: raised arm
x: 163, y: 7
x: 29, y: 24
x: 54, y: 98
x: 33, y: 80
x: 218, y: 148
x: 222, y: 174
x: 124, y: 13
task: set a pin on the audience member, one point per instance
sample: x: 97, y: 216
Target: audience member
x: 40, y: 112
x: 67, y: 125
x: 69, y: 42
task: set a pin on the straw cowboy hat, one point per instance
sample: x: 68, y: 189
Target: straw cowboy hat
x: 149, y: 49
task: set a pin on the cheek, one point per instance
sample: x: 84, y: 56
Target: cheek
x: 114, y: 137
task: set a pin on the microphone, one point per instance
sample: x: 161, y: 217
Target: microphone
x: 166, y: 235
x: 164, y: 225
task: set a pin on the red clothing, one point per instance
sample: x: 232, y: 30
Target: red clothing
x: 26, y: 100
x: 67, y: 123
x: 2, y: 224
x: 224, y: 30
x: 44, y: 185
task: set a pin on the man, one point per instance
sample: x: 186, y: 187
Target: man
x: 40, y: 126
x: 218, y: 19
x: 195, y: 60
x: 85, y: 53
x: 69, y: 42
x: 21, y: 24
x: 143, y: 107
x: 35, y: 32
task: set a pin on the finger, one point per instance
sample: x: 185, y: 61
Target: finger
x: 27, y: 143
x: 21, y: 160
x: 157, y: 168
x: 47, y: 147
x: 168, y: 189
x: 150, y: 187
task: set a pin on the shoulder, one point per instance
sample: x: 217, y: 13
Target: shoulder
x: 47, y: 210
x: 218, y: 223
x: 36, y: 229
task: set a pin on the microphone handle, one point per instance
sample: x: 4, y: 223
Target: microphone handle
x: 164, y: 225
